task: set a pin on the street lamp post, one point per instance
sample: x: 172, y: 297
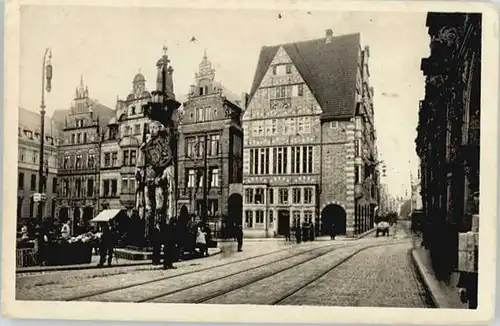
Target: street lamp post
x: 46, y: 74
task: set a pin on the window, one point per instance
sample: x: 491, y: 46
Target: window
x: 137, y: 129
x: 295, y: 160
x: 357, y: 174
x: 215, y: 178
x: 288, y: 69
x: 191, y: 178
x: 22, y: 155
x: 214, y: 145
x: 78, y: 138
x: 66, y: 162
x: 33, y: 182
x: 296, y: 195
x: 84, y: 137
x: 358, y: 148
x: 54, y: 185
x: 260, y: 131
x: 128, y: 131
x: 65, y: 190
x: 106, y: 189
x: 114, y: 187
x: 133, y: 157
x: 90, y: 188
x: 308, y: 195
x: 280, y: 160
x: 334, y: 124
x: 91, y: 160
x: 190, y: 147
x: 20, y: 181
x: 125, y: 158
x: 267, y: 161
x: 271, y: 217
x: 249, y: 196
x: 35, y: 157
x: 280, y: 92
x: 256, y: 161
x: 78, y: 162
x: 308, y: 215
x: 283, y: 196
x: 275, y: 70
x: 125, y: 186
x: 132, y: 110
x: 310, y: 159
x: 262, y: 161
x: 72, y: 138
x: 259, y: 196
x: 106, y: 159
x: 273, y: 126
x: 275, y: 158
x: 249, y: 219
x: 78, y: 187
x: 300, y: 90
x: 270, y: 196
x: 259, y: 217
x: 251, y: 162
x: 200, y: 115
x: 114, y: 159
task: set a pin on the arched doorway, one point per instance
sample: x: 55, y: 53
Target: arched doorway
x: 334, y: 215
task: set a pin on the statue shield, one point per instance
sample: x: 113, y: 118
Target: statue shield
x: 158, y: 152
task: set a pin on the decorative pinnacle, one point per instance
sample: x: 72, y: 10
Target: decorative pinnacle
x: 205, y: 54
x: 165, y: 48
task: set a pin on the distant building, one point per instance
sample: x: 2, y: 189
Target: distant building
x: 79, y: 156
x: 29, y: 162
x: 309, y: 146
x: 213, y: 112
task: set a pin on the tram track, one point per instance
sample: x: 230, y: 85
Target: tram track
x: 101, y: 292
x: 183, y: 295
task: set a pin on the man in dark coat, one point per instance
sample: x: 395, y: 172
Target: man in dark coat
x: 169, y: 245
x: 156, y: 242
x: 106, y: 245
x: 239, y: 237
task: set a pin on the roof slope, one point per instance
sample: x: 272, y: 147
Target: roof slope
x: 30, y: 120
x: 329, y: 69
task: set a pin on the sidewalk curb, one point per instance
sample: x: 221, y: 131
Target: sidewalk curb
x: 430, y: 283
x: 76, y: 268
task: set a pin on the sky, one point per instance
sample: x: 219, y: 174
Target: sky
x: 108, y: 46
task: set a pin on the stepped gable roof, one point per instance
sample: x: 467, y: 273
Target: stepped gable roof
x: 329, y: 69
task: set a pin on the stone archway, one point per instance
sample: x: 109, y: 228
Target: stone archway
x: 334, y: 218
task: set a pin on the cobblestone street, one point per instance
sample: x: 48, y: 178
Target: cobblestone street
x: 372, y: 271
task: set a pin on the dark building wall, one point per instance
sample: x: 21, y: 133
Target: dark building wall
x: 448, y: 133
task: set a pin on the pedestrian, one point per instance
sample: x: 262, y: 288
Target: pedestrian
x: 298, y: 233
x: 156, y: 242
x: 201, y: 242
x: 169, y: 245
x: 239, y: 237
x: 287, y: 234
x: 332, y: 231
x: 106, y: 245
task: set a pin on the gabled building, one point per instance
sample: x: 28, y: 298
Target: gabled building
x: 309, y: 146
x: 29, y: 162
x: 211, y: 140
x: 79, y: 156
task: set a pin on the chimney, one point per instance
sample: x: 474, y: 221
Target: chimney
x: 329, y: 35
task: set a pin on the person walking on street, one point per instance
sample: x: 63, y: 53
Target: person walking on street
x: 156, y: 243
x: 298, y: 233
x: 169, y: 246
x: 201, y: 242
x: 106, y: 245
x: 239, y: 237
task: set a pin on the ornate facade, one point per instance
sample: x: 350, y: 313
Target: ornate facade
x: 448, y: 133
x: 79, y: 156
x: 309, y: 147
x: 211, y: 139
x: 29, y: 161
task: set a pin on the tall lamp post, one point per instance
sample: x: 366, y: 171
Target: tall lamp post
x: 46, y: 75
